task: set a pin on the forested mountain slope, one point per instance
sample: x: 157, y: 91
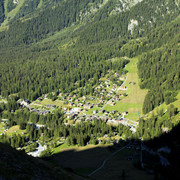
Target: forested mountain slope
x: 73, y: 51
x: 62, y: 42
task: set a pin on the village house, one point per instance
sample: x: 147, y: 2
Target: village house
x: 24, y: 102
x: 165, y: 130
x: 117, y: 74
x: 123, y: 87
x: 88, y: 106
x: 119, y: 119
x: 38, y: 126
x: 91, y: 98
x: 69, y: 98
x: 95, y: 111
x: 70, y: 104
x: 70, y: 115
x: 120, y: 94
x: 112, y: 103
x: 76, y: 110
x: 79, y: 105
x: 16, y: 1
x: 113, y: 111
x: 101, y: 110
x: 118, y: 114
x: 63, y: 138
x: 77, y: 100
x: 125, y: 113
x: 88, y: 118
x: 122, y: 78
x: 43, y: 112
x: 60, y: 94
x: 63, y: 98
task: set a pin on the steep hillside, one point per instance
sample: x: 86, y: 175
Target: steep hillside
x: 18, y: 165
x: 59, y: 43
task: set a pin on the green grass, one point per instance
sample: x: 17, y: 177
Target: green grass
x: 165, y: 106
x: 65, y: 147
x: 40, y: 4
x: 49, y: 101
x: 14, y: 130
x: 90, y: 111
x: 134, y: 101
x: 1, y: 128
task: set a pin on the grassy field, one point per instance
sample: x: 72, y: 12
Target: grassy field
x: 14, y: 130
x: 90, y: 111
x: 117, y: 164
x: 62, y: 147
x: 1, y: 128
x: 165, y: 106
x: 134, y: 101
x: 65, y: 147
x: 49, y: 101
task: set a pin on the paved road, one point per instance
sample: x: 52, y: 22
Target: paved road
x: 104, y: 162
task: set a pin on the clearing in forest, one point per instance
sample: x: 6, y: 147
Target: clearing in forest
x: 132, y: 103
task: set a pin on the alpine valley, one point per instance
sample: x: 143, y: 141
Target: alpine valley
x: 90, y: 89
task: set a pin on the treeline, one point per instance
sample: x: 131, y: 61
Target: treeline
x: 159, y: 72
x: 44, y: 67
x: 54, y: 127
x: 32, y: 78
x: 153, y: 127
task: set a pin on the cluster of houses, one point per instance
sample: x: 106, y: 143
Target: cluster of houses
x: 76, y: 108
x: 39, y: 111
x: 5, y: 125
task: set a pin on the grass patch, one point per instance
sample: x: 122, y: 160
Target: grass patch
x: 49, y: 101
x: 90, y: 111
x: 133, y: 103
x: 66, y: 147
x: 14, y: 130
x: 1, y: 128
x: 164, y: 106
x: 40, y: 4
